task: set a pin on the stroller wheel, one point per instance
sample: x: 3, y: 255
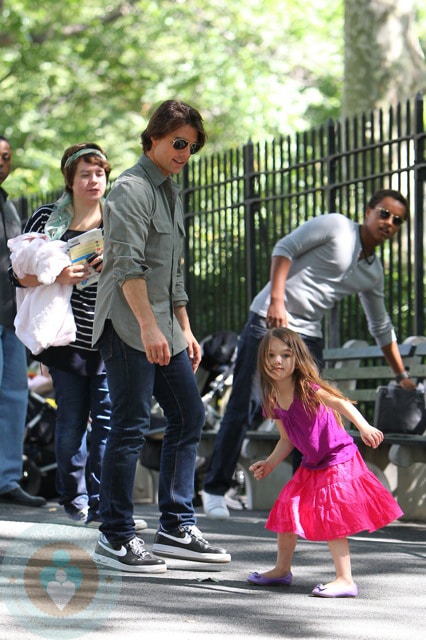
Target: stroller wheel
x: 31, y: 477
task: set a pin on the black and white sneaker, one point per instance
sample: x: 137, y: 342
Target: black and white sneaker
x: 131, y: 556
x: 187, y: 543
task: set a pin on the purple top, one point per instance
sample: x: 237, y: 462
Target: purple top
x: 318, y: 436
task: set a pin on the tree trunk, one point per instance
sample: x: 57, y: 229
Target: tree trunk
x: 384, y: 63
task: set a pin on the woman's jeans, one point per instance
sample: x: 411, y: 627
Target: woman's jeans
x: 243, y: 405
x: 132, y: 382
x: 80, y: 445
x: 13, y: 408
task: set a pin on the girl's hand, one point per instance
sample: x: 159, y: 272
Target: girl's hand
x: 261, y: 469
x: 371, y: 436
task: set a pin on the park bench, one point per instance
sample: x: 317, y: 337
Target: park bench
x: 358, y: 369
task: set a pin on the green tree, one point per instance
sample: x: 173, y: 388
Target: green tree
x: 384, y: 61
x: 81, y: 71
x: 256, y: 69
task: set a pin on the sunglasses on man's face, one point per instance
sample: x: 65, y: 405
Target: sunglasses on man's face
x: 181, y: 143
x: 384, y: 214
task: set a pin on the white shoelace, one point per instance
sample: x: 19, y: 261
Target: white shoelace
x: 193, y: 530
x: 138, y: 548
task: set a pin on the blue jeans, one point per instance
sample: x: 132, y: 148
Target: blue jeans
x: 243, y: 405
x: 132, y: 382
x: 13, y: 408
x: 78, y: 398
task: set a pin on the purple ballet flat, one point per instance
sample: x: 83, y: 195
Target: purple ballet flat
x: 259, y: 579
x: 320, y: 591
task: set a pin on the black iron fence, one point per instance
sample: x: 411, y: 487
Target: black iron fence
x: 239, y: 202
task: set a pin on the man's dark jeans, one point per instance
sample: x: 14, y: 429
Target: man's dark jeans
x: 132, y: 382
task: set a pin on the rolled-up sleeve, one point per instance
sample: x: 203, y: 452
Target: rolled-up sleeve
x: 128, y: 212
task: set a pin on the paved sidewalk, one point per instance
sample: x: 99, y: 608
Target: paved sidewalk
x: 50, y: 587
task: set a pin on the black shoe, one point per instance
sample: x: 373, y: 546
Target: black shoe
x: 130, y: 556
x: 187, y: 543
x: 21, y: 497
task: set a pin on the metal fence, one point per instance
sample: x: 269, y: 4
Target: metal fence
x: 239, y: 202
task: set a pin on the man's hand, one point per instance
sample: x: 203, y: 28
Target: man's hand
x: 276, y: 315
x: 194, y: 349
x: 407, y: 383
x: 156, y: 346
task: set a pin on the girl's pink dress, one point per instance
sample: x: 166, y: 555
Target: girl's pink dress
x: 332, y: 494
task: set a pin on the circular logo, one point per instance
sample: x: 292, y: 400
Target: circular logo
x: 51, y: 582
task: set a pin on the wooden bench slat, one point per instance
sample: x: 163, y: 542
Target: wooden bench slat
x: 357, y: 353
x: 358, y: 373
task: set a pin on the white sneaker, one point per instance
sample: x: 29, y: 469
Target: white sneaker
x: 214, y: 506
x: 140, y: 524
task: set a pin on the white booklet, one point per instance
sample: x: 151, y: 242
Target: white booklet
x: 81, y: 247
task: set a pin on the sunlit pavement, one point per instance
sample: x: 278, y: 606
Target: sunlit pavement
x: 51, y: 588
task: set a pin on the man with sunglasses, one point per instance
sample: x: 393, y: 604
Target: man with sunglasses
x: 312, y: 268
x: 143, y: 332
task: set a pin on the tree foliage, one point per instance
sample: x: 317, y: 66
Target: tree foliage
x: 74, y: 71
x: 384, y: 61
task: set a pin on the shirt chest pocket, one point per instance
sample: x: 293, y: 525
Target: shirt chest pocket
x: 162, y: 225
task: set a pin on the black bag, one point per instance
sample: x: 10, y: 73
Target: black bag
x: 399, y: 410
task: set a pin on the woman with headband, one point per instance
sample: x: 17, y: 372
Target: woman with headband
x: 77, y: 370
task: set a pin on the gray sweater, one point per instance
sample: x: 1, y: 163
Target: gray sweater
x: 325, y: 268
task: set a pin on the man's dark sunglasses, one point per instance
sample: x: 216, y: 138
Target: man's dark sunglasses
x: 384, y: 214
x: 181, y: 143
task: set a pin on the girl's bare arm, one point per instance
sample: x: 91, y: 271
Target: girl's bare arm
x: 371, y: 436
x: 263, y: 468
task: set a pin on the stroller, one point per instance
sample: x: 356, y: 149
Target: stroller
x: 214, y: 380
x: 39, y: 463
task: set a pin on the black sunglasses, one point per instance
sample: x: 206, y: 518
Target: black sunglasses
x: 384, y: 214
x: 181, y: 143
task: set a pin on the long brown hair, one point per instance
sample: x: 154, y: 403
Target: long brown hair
x: 305, y: 373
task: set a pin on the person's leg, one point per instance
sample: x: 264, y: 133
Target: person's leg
x: 242, y: 406
x: 343, y: 585
x: 72, y: 395
x: 177, y: 393
x: 130, y: 382
x: 178, y: 536
x: 340, y: 553
x: 281, y: 573
x: 13, y: 408
x: 100, y: 413
x: 315, y: 346
x: 286, y: 544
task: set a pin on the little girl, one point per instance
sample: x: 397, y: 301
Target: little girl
x: 332, y: 494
